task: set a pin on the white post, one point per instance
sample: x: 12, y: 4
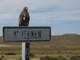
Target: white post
x: 23, y: 51
x: 26, y: 51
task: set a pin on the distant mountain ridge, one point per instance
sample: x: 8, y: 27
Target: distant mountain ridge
x: 59, y: 40
x: 67, y: 39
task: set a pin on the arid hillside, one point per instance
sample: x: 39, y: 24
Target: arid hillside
x: 59, y: 40
x: 66, y: 40
x: 66, y: 45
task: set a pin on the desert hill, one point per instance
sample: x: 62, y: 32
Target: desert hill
x: 59, y: 40
x: 67, y: 40
x: 60, y: 45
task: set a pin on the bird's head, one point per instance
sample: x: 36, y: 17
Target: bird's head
x: 25, y: 9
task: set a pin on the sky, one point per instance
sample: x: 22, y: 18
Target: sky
x: 63, y: 16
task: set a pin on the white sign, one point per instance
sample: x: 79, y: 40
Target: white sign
x: 26, y: 34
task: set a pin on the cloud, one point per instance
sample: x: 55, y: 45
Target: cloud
x: 8, y: 15
x: 54, y: 10
x: 47, y: 3
x: 45, y: 10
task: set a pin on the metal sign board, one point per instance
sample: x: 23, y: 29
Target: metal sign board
x: 26, y: 34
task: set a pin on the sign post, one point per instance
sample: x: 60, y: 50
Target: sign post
x: 26, y: 34
x: 24, y: 21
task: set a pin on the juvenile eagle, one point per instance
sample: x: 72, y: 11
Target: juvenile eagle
x: 24, y: 17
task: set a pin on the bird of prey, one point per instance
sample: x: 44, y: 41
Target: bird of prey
x: 24, y: 17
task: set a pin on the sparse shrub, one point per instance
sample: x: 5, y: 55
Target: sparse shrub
x: 48, y: 58
x: 44, y: 58
x: 32, y: 55
x: 0, y: 58
x: 10, y: 53
x: 52, y: 58
x: 74, y: 58
x: 3, y: 58
x: 61, y: 58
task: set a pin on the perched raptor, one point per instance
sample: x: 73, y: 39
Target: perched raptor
x: 24, y: 17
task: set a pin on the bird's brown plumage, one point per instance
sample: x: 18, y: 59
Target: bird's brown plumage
x: 24, y: 17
